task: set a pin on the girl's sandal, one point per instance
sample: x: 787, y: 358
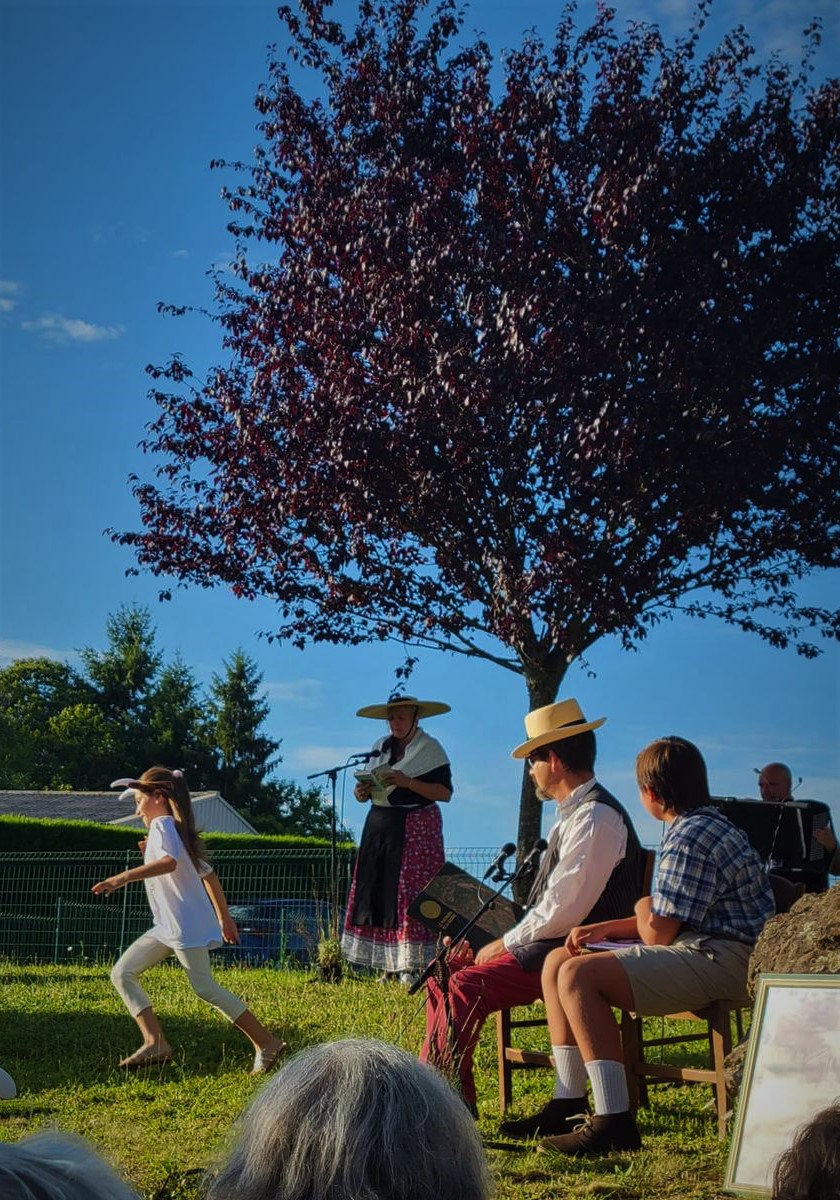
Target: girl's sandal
x: 264, y: 1060
x: 147, y: 1057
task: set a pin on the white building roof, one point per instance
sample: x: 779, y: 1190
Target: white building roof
x: 213, y: 814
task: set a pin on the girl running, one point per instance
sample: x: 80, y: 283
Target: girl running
x: 189, y: 908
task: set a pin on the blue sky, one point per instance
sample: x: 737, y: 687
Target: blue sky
x: 111, y: 113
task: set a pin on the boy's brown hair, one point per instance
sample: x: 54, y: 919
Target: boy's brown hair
x: 673, y: 769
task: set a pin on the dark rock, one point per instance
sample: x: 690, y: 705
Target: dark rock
x: 733, y: 1069
x: 804, y: 941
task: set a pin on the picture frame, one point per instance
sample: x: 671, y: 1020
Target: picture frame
x: 791, y: 1072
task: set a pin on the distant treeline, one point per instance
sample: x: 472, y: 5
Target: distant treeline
x: 78, y: 729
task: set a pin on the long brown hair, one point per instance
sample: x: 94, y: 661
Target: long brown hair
x: 174, y: 787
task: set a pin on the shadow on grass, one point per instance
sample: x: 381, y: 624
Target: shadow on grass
x: 16, y: 1108
x: 35, y: 977
x: 43, y: 1051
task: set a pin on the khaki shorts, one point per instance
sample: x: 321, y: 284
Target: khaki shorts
x: 690, y: 973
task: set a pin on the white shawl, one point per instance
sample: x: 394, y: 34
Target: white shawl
x: 422, y: 754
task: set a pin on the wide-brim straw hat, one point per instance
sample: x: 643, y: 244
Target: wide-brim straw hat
x: 425, y: 708
x: 553, y: 723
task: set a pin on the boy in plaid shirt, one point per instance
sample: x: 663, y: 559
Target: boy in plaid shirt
x: 695, y: 934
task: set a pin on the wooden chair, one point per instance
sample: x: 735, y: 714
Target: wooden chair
x: 716, y: 1032
x: 513, y: 1058
x: 716, y: 1019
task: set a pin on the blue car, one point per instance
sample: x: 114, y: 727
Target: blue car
x: 281, y: 932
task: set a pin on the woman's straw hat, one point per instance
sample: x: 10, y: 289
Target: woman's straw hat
x: 425, y: 708
x: 552, y: 723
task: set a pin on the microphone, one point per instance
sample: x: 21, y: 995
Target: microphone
x: 533, y: 855
x: 365, y: 755
x: 496, y: 865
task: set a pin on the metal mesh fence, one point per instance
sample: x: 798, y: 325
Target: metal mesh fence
x: 282, y: 901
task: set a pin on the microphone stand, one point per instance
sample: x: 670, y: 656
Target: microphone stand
x: 332, y: 774
x: 439, y: 959
x: 440, y: 965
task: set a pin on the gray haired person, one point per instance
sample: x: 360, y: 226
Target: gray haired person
x: 57, y: 1166
x: 356, y: 1119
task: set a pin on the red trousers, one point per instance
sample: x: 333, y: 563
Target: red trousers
x: 474, y: 993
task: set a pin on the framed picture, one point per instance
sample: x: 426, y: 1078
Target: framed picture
x: 791, y: 1072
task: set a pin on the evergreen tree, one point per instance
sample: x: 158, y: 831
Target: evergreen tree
x: 245, y: 754
x: 122, y: 677
x: 179, y: 725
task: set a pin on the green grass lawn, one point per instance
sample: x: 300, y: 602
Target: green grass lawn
x: 63, y: 1031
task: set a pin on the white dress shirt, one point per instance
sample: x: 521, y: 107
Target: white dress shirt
x: 592, y: 841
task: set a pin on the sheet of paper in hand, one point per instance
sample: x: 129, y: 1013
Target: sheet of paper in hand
x: 613, y: 944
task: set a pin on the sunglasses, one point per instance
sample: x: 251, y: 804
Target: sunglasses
x: 537, y: 756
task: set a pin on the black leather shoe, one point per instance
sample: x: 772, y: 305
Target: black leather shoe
x: 598, y: 1135
x: 554, y: 1118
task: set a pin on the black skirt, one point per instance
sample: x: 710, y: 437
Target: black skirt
x: 378, y: 868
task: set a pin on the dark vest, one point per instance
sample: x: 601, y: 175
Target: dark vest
x: 623, y: 889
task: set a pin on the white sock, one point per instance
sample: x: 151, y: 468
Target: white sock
x: 609, y: 1086
x: 570, y: 1082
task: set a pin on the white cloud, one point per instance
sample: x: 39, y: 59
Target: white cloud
x: 8, y: 290
x: 304, y: 692
x: 11, y: 649
x: 55, y: 328
x: 180, y: 253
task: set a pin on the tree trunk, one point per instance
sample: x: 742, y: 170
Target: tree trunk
x: 540, y: 692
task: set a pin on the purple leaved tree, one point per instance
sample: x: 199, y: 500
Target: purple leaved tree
x: 511, y: 367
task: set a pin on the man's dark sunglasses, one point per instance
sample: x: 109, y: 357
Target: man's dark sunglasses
x: 537, y: 756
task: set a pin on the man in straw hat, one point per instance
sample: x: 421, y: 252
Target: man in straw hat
x: 593, y: 867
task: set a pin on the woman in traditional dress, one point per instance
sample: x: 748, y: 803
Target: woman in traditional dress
x: 402, y: 842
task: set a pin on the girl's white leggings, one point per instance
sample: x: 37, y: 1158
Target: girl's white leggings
x: 147, y: 952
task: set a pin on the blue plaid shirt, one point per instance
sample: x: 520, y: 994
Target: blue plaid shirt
x: 711, y: 879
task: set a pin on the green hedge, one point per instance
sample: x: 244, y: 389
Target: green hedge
x: 28, y: 834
